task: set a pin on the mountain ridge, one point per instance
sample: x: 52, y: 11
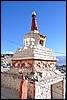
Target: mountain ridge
x: 61, y: 60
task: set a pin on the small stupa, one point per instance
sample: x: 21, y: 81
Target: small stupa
x: 37, y: 64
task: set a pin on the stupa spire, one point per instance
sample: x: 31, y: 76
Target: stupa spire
x: 34, y: 23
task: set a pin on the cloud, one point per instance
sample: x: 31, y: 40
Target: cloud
x: 8, y: 52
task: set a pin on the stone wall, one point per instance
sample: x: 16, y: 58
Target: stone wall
x: 50, y: 91
x: 11, y: 81
x: 57, y: 91
x: 42, y: 91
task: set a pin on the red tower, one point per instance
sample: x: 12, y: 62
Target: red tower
x: 34, y: 23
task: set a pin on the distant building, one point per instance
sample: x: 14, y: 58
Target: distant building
x: 37, y: 64
x: 6, y: 60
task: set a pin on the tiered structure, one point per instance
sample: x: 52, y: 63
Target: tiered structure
x: 37, y: 64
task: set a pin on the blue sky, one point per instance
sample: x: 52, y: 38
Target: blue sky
x: 16, y: 22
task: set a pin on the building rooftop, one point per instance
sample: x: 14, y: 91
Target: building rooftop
x: 35, y: 52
